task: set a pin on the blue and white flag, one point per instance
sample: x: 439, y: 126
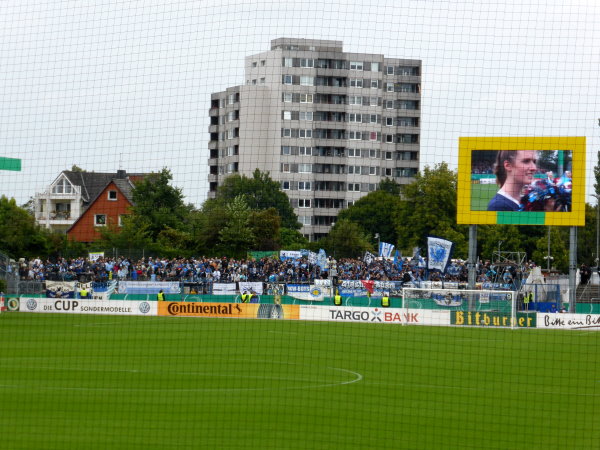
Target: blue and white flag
x: 398, y: 261
x: 385, y: 249
x: 439, y: 251
x: 322, y: 259
x: 368, y: 258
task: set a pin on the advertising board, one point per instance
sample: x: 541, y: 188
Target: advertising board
x: 76, y: 306
x: 521, y: 180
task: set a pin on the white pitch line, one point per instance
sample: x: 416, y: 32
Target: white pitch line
x: 357, y: 377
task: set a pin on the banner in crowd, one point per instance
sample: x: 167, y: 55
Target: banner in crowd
x: 374, y: 315
x: 224, y: 288
x: 360, y: 288
x: 60, y: 289
x: 77, y: 306
x: 385, y: 249
x: 262, y: 254
x: 438, y: 253
x: 368, y: 258
x: 275, y: 289
x: 284, y: 255
x: 251, y: 286
x: 149, y: 287
x: 94, y: 256
x: 306, y: 292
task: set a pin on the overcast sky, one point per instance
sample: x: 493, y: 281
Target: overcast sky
x: 126, y: 84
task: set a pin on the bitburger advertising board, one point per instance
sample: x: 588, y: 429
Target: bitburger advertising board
x: 77, y: 306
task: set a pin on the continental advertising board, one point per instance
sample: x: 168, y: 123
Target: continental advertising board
x: 77, y: 306
x: 521, y: 181
x: 401, y: 316
x: 231, y: 310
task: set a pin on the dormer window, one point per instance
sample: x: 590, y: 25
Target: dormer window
x: 62, y: 187
x: 112, y: 196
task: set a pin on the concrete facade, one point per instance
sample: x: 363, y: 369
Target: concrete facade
x: 326, y: 124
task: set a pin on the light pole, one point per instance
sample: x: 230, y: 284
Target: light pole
x: 596, y: 196
x: 378, y: 242
x: 548, y: 257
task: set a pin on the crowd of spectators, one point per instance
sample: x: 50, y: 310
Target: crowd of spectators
x: 228, y: 270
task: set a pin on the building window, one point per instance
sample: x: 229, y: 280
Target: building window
x: 112, y: 196
x: 286, y: 132
x: 390, y: 70
x: 286, y: 150
x: 373, y: 101
x: 262, y: 62
x: 307, y: 81
x: 374, y: 67
x: 374, y: 84
x: 355, y: 187
x: 304, y: 203
x: 388, y: 156
x: 262, y: 80
x: 355, y: 100
x: 356, y: 65
x: 287, y: 62
x: 304, y: 186
x: 307, y: 62
x: 121, y: 219
x: 100, y: 220
x: 254, y: 64
x: 63, y: 187
x: 285, y: 185
x: 306, y: 98
x: 287, y: 79
x: 389, y: 104
x: 373, y: 118
x: 356, y: 82
x: 389, y: 121
x: 304, y: 168
x: 285, y: 168
x: 388, y: 172
x: 390, y: 87
x: 287, y: 97
x: 306, y: 115
x: 304, y: 151
x: 305, y: 134
x: 305, y: 220
x: 287, y: 115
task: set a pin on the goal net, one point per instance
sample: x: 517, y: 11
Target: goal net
x: 468, y: 307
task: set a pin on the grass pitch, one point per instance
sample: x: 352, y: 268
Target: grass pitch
x: 86, y: 382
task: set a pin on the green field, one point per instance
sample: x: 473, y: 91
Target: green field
x: 117, y: 382
x: 481, y: 194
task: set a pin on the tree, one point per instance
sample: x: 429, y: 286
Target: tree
x: 236, y: 236
x: 429, y: 208
x: 346, y: 240
x: 265, y: 226
x: 390, y: 186
x: 375, y: 213
x: 20, y: 236
x: 260, y: 192
x: 597, y: 176
x: 158, y: 205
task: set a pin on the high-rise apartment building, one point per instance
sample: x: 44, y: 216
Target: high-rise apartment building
x: 326, y: 124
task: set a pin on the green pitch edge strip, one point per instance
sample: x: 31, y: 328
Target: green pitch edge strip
x: 520, y: 218
x: 13, y: 164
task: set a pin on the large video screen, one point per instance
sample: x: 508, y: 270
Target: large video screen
x: 521, y: 181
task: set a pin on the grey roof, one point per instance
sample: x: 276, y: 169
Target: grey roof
x: 93, y: 183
